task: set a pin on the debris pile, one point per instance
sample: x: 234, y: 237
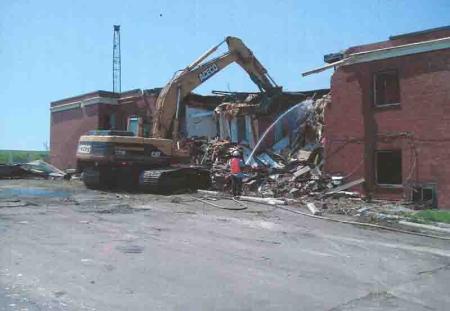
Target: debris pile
x: 216, y: 151
x: 13, y: 171
x: 38, y: 168
x: 304, y: 178
x: 290, y: 167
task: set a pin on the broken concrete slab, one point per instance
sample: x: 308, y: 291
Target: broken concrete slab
x: 313, y: 209
x: 345, y: 186
x: 270, y: 201
x: 303, y: 155
x: 267, y: 160
x: 303, y: 170
x: 209, y: 192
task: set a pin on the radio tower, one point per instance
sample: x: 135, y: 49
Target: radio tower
x: 117, y: 75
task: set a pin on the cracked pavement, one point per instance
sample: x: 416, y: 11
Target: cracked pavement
x: 63, y: 247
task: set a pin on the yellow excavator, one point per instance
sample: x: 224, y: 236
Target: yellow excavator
x: 118, y: 159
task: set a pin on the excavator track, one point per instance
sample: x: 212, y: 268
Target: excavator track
x: 94, y: 178
x: 168, y: 180
x: 163, y: 180
x: 105, y: 178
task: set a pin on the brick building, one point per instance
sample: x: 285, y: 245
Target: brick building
x: 75, y: 116
x: 389, y: 120
x: 132, y: 111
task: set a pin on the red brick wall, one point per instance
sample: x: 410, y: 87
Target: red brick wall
x: 65, y: 130
x: 143, y: 106
x: 354, y: 128
x: 67, y: 126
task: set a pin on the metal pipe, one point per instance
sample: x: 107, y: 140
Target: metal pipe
x: 270, y: 78
x: 178, y: 102
x: 177, y: 112
x: 205, y: 55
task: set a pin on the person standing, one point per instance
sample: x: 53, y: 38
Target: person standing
x: 236, y: 164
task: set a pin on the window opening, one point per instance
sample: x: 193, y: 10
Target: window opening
x: 386, y: 88
x: 389, y: 167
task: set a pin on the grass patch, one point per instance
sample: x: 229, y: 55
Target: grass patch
x: 22, y: 156
x: 427, y: 216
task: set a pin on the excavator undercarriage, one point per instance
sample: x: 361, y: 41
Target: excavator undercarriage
x: 115, y: 160
x: 158, y: 180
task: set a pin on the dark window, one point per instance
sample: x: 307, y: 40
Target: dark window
x: 425, y: 194
x: 146, y: 127
x: 112, y: 121
x: 386, y: 88
x: 242, y: 134
x: 389, y: 167
x: 109, y: 122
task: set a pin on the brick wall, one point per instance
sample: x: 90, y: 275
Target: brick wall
x: 143, y: 106
x: 65, y: 129
x: 420, y: 127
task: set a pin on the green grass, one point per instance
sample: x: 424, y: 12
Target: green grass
x: 22, y: 156
x: 427, y: 216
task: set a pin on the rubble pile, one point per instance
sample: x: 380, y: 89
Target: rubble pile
x: 38, y: 169
x: 216, y: 152
x: 291, y: 167
x: 343, y: 205
x: 297, y: 177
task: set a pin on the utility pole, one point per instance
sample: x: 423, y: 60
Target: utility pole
x: 117, y: 75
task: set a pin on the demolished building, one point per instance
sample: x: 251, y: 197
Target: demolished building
x: 168, y: 113
x: 287, y: 159
x: 382, y: 129
x: 388, y: 120
x: 234, y: 117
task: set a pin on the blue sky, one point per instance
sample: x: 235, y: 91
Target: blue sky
x: 52, y: 49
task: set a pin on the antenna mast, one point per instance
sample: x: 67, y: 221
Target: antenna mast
x: 117, y: 74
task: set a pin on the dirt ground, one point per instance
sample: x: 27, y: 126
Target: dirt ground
x: 63, y: 247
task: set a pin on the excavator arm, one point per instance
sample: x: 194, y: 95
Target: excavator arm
x: 186, y: 80
x: 251, y: 65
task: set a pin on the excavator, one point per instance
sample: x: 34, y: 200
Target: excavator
x: 109, y: 159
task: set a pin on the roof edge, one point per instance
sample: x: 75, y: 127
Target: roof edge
x: 417, y: 33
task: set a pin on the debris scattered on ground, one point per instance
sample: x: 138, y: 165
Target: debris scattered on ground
x: 14, y: 171
x: 15, y: 203
x: 313, y: 209
x: 38, y: 168
x: 340, y: 189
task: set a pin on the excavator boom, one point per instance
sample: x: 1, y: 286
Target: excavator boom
x: 186, y: 80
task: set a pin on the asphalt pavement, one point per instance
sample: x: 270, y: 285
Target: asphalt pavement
x: 63, y: 247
